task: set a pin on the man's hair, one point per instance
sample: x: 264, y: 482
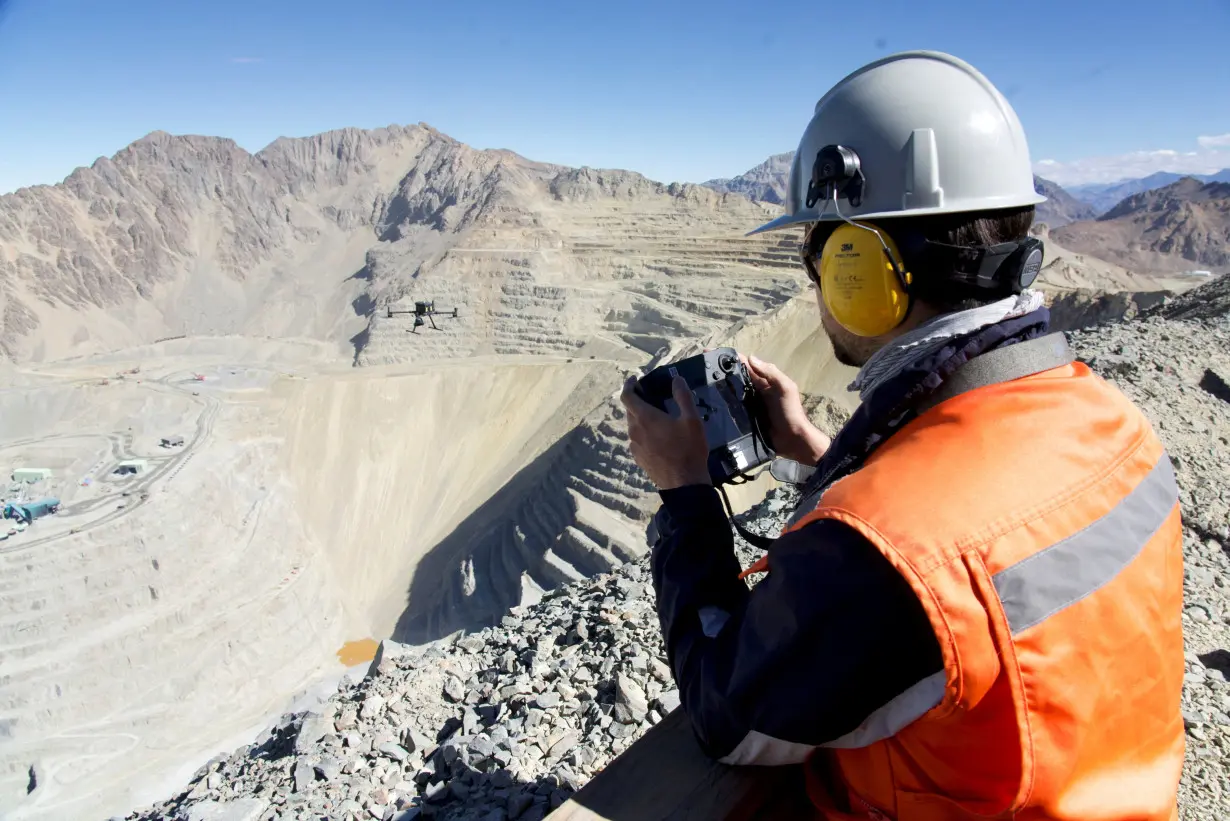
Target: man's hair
x: 972, y: 228
x: 968, y: 229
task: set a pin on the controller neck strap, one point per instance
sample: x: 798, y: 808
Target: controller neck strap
x: 754, y: 539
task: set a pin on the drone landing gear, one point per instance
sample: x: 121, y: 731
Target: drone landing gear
x: 418, y: 320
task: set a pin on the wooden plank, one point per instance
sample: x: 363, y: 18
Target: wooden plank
x: 665, y: 775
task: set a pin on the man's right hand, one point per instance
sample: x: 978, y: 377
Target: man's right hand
x: 793, y: 434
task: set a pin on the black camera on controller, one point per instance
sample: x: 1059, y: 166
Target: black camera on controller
x: 733, y: 414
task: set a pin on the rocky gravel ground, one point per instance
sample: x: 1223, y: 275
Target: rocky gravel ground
x: 504, y: 723
x: 507, y: 722
x: 1177, y: 372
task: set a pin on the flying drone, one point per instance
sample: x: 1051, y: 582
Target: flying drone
x: 424, y: 313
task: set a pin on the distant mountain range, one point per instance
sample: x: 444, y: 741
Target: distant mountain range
x: 194, y: 235
x: 1179, y: 227
x: 768, y: 181
x: 1105, y: 196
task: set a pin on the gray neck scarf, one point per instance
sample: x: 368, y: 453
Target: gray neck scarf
x: 932, y: 334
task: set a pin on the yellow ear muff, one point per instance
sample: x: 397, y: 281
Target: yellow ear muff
x: 860, y: 287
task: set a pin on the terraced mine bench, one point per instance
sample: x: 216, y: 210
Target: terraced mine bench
x: 665, y: 775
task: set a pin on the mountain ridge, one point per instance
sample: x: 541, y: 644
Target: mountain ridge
x: 189, y: 234
x: 310, y: 237
x: 1180, y: 227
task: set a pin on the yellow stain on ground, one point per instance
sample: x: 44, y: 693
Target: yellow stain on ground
x: 357, y: 652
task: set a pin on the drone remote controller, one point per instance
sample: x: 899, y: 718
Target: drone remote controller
x: 736, y: 427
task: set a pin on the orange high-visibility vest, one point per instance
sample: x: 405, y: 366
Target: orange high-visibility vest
x: 1037, y: 521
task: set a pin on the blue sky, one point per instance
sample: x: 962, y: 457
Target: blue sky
x: 675, y: 90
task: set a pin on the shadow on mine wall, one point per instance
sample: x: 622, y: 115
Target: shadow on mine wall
x: 510, y: 533
x: 363, y: 306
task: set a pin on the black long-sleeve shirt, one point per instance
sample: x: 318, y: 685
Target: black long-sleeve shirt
x: 831, y: 635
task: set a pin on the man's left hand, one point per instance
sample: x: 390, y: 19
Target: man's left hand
x: 671, y: 450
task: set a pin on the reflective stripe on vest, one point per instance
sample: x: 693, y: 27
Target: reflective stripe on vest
x: 1064, y: 573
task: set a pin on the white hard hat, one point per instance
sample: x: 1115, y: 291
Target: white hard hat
x: 929, y: 135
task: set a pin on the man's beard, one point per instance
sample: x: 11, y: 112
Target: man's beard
x: 846, y: 347
x: 844, y: 355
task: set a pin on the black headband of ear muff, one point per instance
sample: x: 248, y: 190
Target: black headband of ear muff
x: 1007, y: 267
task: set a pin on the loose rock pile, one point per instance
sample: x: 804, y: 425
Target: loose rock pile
x: 505, y: 723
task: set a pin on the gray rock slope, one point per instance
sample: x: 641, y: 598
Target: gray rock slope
x: 506, y: 722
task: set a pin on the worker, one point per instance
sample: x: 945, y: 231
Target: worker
x: 975, y: 609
